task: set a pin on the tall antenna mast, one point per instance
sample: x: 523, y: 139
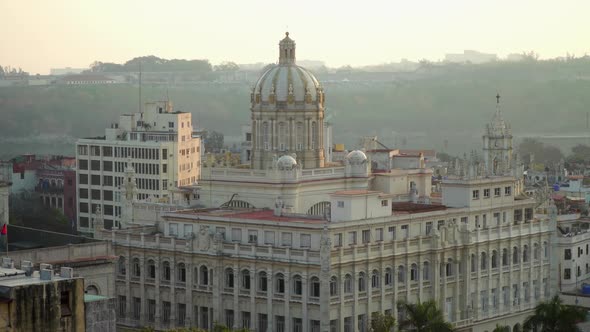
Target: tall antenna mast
x: 139, y: 86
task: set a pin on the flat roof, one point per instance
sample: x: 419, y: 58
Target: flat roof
x: 257, y: 214
x: 410, y: 208
x: 356, y: 192
x: 18, y: 278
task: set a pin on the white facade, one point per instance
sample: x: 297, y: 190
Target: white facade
x: 291, y: 244
x: 158, y: 144
x: 572, y: 249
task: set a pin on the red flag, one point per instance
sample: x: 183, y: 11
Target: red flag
x: 4, y: 230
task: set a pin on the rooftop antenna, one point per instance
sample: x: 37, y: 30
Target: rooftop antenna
x: 139, y: 86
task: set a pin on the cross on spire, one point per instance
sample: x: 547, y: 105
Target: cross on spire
x: 498, y: 98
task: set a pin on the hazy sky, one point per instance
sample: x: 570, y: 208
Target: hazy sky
x: 38, y: 35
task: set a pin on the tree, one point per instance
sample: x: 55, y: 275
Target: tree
x: 424, y: 317
x: 554, y: 316
x: 213, y: 141
x: 222, y: 328
x: 501, y: 328
x: 381, y: 322
x: 547, y: 154
x: 227, y: 66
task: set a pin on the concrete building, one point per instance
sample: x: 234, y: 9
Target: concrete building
x: 157, y: 144
x: 470, y: 56
x: 39, y: 300
x: 294, y: 243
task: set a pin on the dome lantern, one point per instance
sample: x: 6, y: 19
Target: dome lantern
x: 286, y: 50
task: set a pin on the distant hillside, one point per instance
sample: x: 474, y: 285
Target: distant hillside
x: 425, y: 107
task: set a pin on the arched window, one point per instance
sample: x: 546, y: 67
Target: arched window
x: 262, y: 282
x: 283, y: 136
x: 515, y: 255
x: 525, y: 253
x: 426, y: 271
x: 181, y: 272
x: 362, y: 282
x: 314, y: 287
x: 414, y: 272
x: 333, y: 286
x: 204, y: 276
x: 122, y: 266
x: 319, y: 209
x: 166, y: 271
x: 245, y: 279
x: 388, y: 277
x: 136, y: 268
x: 91, y: 290
x: 229, y: 277
x: 297, y: 285
x: 449, y: 268
x: 484, y: 261
x: 401, y: 274
x: 280, y: 283
x: 504, y: 257
x: 494, y: 259
x: 300, y: 137
x: 375, y: 283
x: 473, y: 263
x: 151, y: 269
x: 348, y: 283
x: 536, y: 251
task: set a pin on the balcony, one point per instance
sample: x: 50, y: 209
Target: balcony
x: 55, y: 190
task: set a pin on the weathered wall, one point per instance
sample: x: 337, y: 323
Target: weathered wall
x: 101, y: 316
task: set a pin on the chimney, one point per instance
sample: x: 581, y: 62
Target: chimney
x: 66, y: 272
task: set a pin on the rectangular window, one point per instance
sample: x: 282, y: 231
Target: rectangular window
x: 83, y: 193
x: 379, y: 234
x: 164, y: 168
x: 95, y: 194
x: 107, y: 165
x: 286, y: 239
x: 173, y: 229
x: 164, y: 154
x: 405, y: 231
x: 340, y: 204
x: 166, y: 312
x: 122, y: 306
x: 83, y: 208
x: 507, y: 191
x: 252, y: 236
x: 305, y: 240
x: 151, y: 310
x: 95, y: 180
x: 95, y: 165
x: 475, y: 194
x: 366, y: 236
x: 497, y: 192
x: 392, y: 232
x: 82, y: 164
x: 107, y: 151
x: 136, y: 308
x: 170, y: 124
x: 351, y: 238
x: 486, y: 193
x: 83, y: 179
x: 229, y: 318
x: 107, y: 181
x: 384, y: 202
x: 428, y: 227
x: 338, y: 240
x: 567, y: 255
x: 181, y: 313
x: 440, y: 224
x: 245, y: 319
x: 269, y: 237
x: 567, y: 274
x: 83, y: 150
x: 95, y: 150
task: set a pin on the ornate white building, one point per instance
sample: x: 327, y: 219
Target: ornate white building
x: 497, y: 143
x: 295, y: 244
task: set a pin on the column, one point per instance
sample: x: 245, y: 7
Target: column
x: 157, y: 316
x: 304, y: 301
x: 236, y: 305
x: 253, y: 286
x: 287, y: 299
x: 188, y: 293
x: 269, y: 299
x: 142, y: 299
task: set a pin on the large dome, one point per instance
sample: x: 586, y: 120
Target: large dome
x: 286, y: 81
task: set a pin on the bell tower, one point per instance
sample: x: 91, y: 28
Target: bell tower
x: 497, y: 144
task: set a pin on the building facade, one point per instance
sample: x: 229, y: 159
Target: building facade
x: 157, y: 144
x: 295, y: 244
